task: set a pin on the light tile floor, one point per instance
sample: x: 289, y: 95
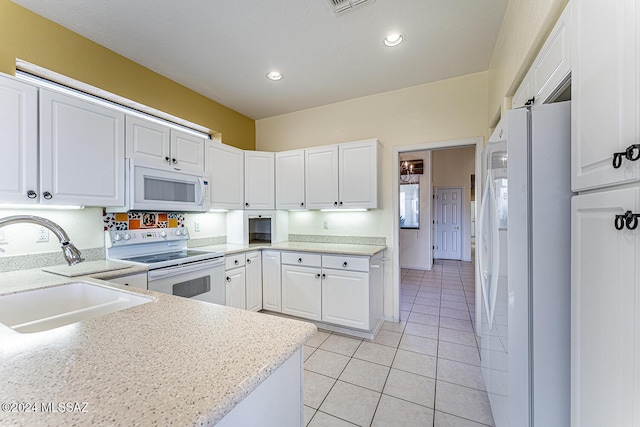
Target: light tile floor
x: 424, y: 371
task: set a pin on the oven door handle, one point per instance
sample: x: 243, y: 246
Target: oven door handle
x: 184, y: 268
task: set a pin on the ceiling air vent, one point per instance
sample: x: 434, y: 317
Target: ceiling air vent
x: 340, y: 6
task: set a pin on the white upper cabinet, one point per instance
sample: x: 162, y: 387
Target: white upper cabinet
x: 358, y: 174
x: 605, y: 112
x: 19, y: 124
x: 321, y: 177
x: 524, y: 94
x: 550, y: 73
x: 148, y: 141
x: 151, y: 141
x: 290, y: 180
x: 343, y: 176
x: 81, y: 152
x: 225, y: 167
x: 187, y: 151
x: 259, y: 180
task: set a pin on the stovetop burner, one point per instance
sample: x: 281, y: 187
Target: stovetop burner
x: 167, y: 256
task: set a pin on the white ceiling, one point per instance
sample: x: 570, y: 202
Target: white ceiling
x: 223, y: 49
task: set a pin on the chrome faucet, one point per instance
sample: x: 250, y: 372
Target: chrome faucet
x: 70, y: 252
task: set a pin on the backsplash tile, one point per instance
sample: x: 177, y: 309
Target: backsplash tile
x: 140, y: 220
x: 349, y: 240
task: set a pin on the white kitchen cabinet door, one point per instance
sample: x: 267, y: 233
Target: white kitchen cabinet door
x: 302, y: 292
x: 358, y: 174
x: 605, y: 113
x: 271, y: 281
x: 235, y: 292
x: 259, y: 180
x: 81, y: 152
x: 321, y: 177
x: 290, y: 180
x: 225, y: 167
x: 524, y: 94
x: 345, y: 298
x: 19, y: 127
x: 147, y: 141
x: 605, y: 311
x: 552, y: 68
x: 187, y: 152
x: 253, y: 278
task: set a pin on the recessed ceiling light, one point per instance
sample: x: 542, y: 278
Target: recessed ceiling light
x: 274, y: 75
x: 393, y: 39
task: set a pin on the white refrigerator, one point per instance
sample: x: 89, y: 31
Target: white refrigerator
x: 523, y: 260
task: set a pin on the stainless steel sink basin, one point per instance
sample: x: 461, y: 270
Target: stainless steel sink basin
x: 48, y: 308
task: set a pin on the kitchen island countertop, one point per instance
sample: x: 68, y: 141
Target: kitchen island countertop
x: 172, y: 361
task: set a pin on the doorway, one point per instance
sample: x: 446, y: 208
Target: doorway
x: 475, y: 145
x: 448, y: 223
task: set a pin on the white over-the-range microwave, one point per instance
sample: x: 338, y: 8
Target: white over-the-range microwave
x: 153, y: 187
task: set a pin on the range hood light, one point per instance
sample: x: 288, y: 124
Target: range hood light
x: 274, y: 75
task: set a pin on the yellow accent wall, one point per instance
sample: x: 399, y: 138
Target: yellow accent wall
x: 524, y: 29
x: 28, y: 36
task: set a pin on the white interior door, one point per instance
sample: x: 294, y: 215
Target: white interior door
x: 448, y: 223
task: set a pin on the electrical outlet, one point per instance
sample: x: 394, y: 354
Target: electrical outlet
x: 43, y: 235
x: 196, y: 226
x: 325, y: 225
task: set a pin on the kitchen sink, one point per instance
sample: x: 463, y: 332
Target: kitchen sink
x: 48, y: 308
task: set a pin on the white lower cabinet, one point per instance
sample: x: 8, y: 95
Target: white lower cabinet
x: 345, y: 298
x: 253, y: 271
x: 235, y: 289
x: 605, y: 312
x: 302, y: 291
x: 271, y: 281
x: 335, y: 289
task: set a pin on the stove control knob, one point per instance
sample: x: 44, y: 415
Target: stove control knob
x: 163, y: 234
x: 178, y: 232
x: 117, y: 237
x: 127, y: 236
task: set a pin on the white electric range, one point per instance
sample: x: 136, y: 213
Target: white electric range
x: 173, y: 267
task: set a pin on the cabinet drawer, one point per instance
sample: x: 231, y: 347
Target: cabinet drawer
x: 301, y: 258
x: 234, y: 261
x: 345, y: 262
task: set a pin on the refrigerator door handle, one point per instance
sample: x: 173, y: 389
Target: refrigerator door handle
x: 488, y: 213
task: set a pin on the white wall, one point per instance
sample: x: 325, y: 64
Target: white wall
x: 83, y: 226
x: 415, y: 245
x: 453, y: 167
x: 446, y: 110
x: 525, y: 27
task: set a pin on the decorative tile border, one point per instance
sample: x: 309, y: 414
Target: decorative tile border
x: 206, y: 241
x: 350, y: 240
x: 46, y: 259
x: 138, y: 220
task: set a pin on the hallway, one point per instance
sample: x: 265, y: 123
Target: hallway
x: 423, y: 371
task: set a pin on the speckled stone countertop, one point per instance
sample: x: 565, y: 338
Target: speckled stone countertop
x: 327, y: 248
x: 172, y: 361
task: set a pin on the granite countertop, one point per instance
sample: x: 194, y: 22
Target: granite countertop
x: 172, y: 361
x: 327, y: 248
